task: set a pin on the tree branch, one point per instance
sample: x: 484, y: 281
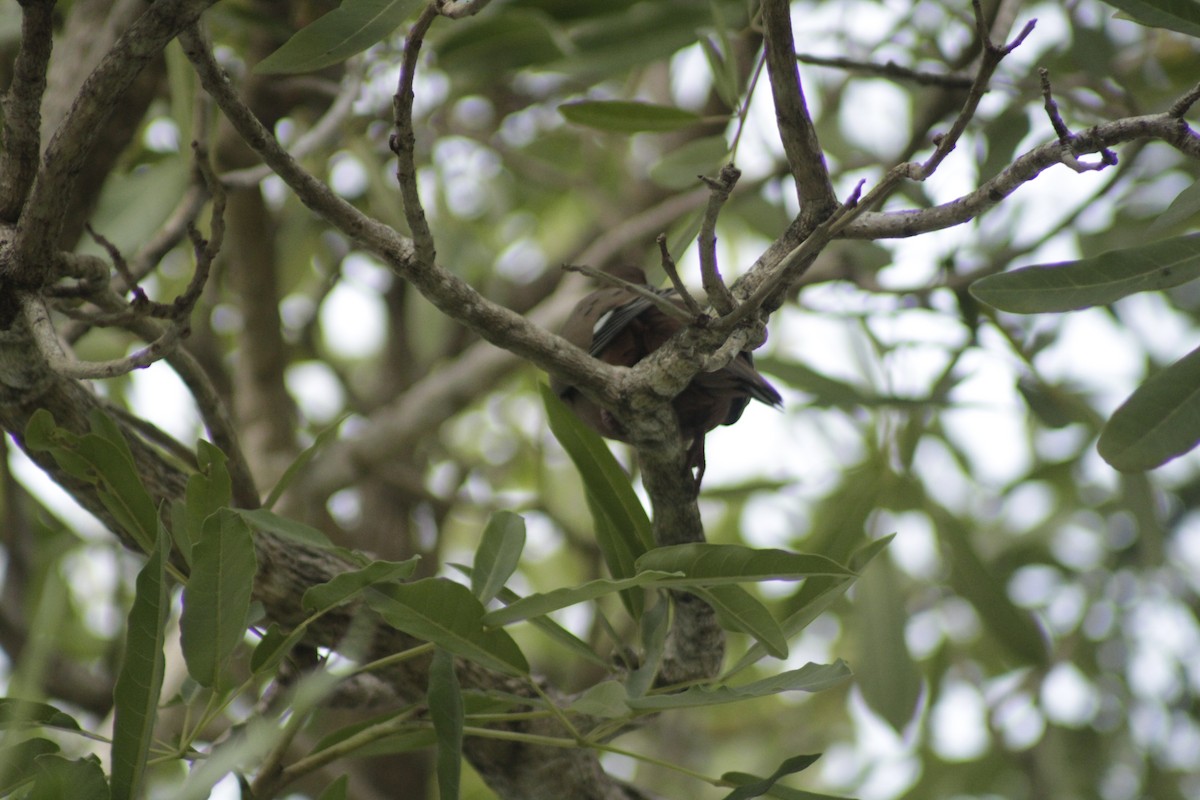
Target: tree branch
x: 22, y: 108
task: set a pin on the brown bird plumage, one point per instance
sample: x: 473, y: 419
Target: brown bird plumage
x: 621, y: 328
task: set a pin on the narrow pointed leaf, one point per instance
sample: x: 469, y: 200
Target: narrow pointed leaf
x: 297, y: 466
x: 1097, y: 281
x: 620, y: 116
x: 56, y: 777
x: 336, y: 790
x: 760, y: 786
x: 1183, y: 208
x: 446, y: 711
x: 345, y: 31
x: 346, y: 586
x: 738, y: 610
x: 607, y: 699
x: 447, y: 614
x: 498, y: 554
x: 536, y: 605
x: 1159, y: 421
x: 809, y: 678
x: 1175, y: 15
x: 139, y: 682
x: 888, y: 677
x: 217, y: 596
x: 710, y: 564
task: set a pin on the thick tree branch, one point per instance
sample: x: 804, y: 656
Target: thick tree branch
x: 796, y: 129
x: 72, y: 142
x: 22, y: 108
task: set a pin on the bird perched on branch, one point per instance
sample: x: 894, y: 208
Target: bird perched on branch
x: 621, y: 327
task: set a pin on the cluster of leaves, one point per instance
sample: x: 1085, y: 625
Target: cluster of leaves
x: 216, y: 566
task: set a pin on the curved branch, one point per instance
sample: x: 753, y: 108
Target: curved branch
x: 22, y: 108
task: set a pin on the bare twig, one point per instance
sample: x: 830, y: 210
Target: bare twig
x: 668, y: 265
x: 1065, y: 137
x: 890, y: 69
x: 993, y: 54
x: 1184, y: 103
x: 719, y: 190
x: 649, y: 295
x: 403, y: 142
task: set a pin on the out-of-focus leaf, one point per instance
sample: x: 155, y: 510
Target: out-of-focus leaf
x: 827, y: 391
x: 622, y: 116
x: 18, y: 713
x: 1097, y: 281
x: 17, y: 760
x: 134, y: 205
x: 888, y: 677
x: 809, y: 678
x: 607, y: 699
x: 336, y: 790
x: 217, y: 596
x: 495, y: 44
x: 347, y: 30
x: 1175, y: 15
x: 680, y: 168
x: 498, y: 554
x: 1183, y: 208
x: 447, y: 614
x: 345, y: 586
x: 301, y: 461
x: 707, y: 564
x: 1013, y: 627
x: 760, y: 786
x: 56, y: 777
x: 139, y: 682
x: 274, y: 646
x: 1159, y: 421
x: 446, y: 710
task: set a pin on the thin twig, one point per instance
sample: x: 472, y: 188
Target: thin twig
x: 644, y: 292
x: 22, y: 108
x: 668, y: 265
x: 1065, y: 137
x: 1181, y: 106
x: 458, y: 9
x: 890, y: 69
x: 719, y: 191
x: 403, y: 141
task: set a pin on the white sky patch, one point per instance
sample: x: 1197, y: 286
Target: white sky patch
x: 156, y: 394
x: 959, y: 722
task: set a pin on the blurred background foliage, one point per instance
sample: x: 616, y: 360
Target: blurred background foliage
x: 1030, y: 632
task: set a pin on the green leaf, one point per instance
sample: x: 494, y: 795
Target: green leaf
x: 1159, y: 421
x: 536, y: 605
x: 336, y: 790
x: 208, y: 490
x: 888, y: 678
x: 738, y: 610
x: 346, y: 585
x: 706, y: 564
x: 607, y: 700
x: 1013, y: 627
x: 498, y: 554
x: 446, y: 711
x: 447, y: 614
x: 297, y: 466
x: 680, y: 168
x: 621, y: 116
x: 347, y: 30
x: 1097, y: 281
x: 760, y: 786
x: 18, y: 713
x: 139, y: 682
x: 1176, y: 15
x: 622, y: 528
x: 134, y: 205
x: 17, y: 762
x: 495, y: 44
x: 56, y: 777
x: 262, y: 519
x: 217, y: 597
x: 1183, y: 208
x: 809, y: 678
x: 274, y: 646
